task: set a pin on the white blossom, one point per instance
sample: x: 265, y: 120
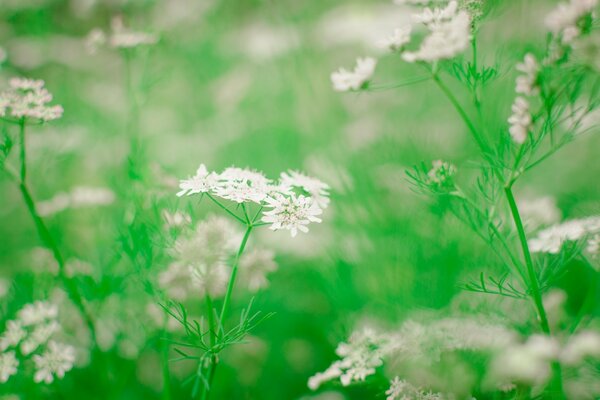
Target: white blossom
x: 580, y: 346
x: 254, y: 267
x: 27, y: 98
x: 520, y: 121
x: 54, y: 362
x: 13, y: 335
x: 37, y: 312
x: 563, y: 19
x: 202, y: 182
x: 39, y: 336
x: 397, y: 40
x: 344, y: 80
x: 314, y: 187
x: 551, y: 239
x: 8, y: 365
x: 449, y: 34
x: 527, y: 83
x: 293, y: 213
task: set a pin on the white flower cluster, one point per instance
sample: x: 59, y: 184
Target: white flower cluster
x: 564, y: 20
x: 31, y: 333
x: 551, y: 240
x: 530, y: 362
x: 360, y: 357
x: 119, y: 37
x: 28, y: 98
x: 201, y: 265
x: 449, y: 34
x: 527, y: 85
x: 292, y: 203
x: 78, y: 197
x: 403, y: 390
x: 441, y: 173
x: 344, y: 80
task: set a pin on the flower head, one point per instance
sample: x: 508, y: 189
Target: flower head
x: 397, y: 40
x: 54, y: 362
x: 8, y: 365
x: 202, y: 182
x: 520, y: 121
x: 28, y: 98
x: 293, y: 213
x: 344, y: 80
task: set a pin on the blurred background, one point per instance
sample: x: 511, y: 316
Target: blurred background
x: 246, y: 83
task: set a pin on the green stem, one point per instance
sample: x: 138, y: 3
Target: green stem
x: 227, y: 210
x: 166, y: 374
x: 47, y: 237
x: 556, y: 383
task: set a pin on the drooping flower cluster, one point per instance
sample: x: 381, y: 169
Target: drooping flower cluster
x: 449, y: 34
x: 32, y: 334
x: 28, y: 99
x: 119, y: 37
x: 551, y: 240
x: 292, y: 203
x: 201, y: 263
x: 344, y: 80
x: 360, y: 357
x: 564, y: 21
x: 527, y: 85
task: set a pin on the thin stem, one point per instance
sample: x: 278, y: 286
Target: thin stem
x: 227, y: 210
x: 23, y: 149
x: 407, y: 82
x: 166, y: 374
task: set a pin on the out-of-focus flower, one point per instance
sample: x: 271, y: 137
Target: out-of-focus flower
x: 441, y: 173
x: 254, y: 267
x: 344, y: 80
x: 580, y: 346
x: 119, y: 37
x: 54, y: 362
x: 8, y: 365
x: 527, y: 83
x: 520, y: 120
x: 403, y: 390
x: 78, y: 197
x: 397, y: 40
x: 564, y: 19
x: 539, y: 211
x: 314, y: 187
x: 29, y: 99
x: 550, y: 240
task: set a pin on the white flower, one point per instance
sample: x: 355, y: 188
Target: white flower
x: 13, y: 335
x: 441, y: 172
x: 176, y: 219
x: 292, y: 212
x: 27, y: 98
x: 581, y: 346
x: 397, y: 40
x: 241, y: 185
x: 520, y: 120
x: 8, y: 365
x: 317, y: 189
x: 449, y: 34
x: 39, y: 336
x: 527, y: 83
x: 564, y: 18
x: 122, y: 37
x: 55, y: 361
x: 202, y: 182
x: 550, y: 240
x: 254, y: 267
x: 344, y: 80
x: 402, y: 390
x: 38, y: 312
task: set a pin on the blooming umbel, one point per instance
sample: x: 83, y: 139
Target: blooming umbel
x: 449, y: 34
x: 31, y: 335
x: 54, y: 362
x: 290, y: 203
x: 344, y: 80
x: 28, y: 99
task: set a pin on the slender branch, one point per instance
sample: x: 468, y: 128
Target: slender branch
x: 227, y: 210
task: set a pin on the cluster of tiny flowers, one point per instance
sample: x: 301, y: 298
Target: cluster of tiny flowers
x: 292, y: 203
x: 344, y: 80
x: 119, y: 37
x: 397, y: 40
x: 360, y: 357
x: 564, y: 20
x: 403, y: 390
x: 551, y: 239
x: 32, y: 332
x: 201, y: 265
x: 449, y: 34
x: 441, y: 173
x: 27, y: 98
x: 527, y: 85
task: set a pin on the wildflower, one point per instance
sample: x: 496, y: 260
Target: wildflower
x: 38, y: 312
x: 563, y: 20
x: 242, y: 185
x: 550, y: 240
x: 397, y: 40
x: 441, y: 174
x: 292, y: 213
x: 540, y: 211
x: 54, y: 362
x: 39, y: 336
x: 581, y: 346
x: 202, y: 182
x: 344, y: 80
x: 520, y: 121
x: 403, y: 390
x: 8, y: 365
x: 27, y: 98
x: 254, y: 267
x: 317, y: 189
x: 13, y: 335
x: 449, y: 34
x: 527, y: 83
